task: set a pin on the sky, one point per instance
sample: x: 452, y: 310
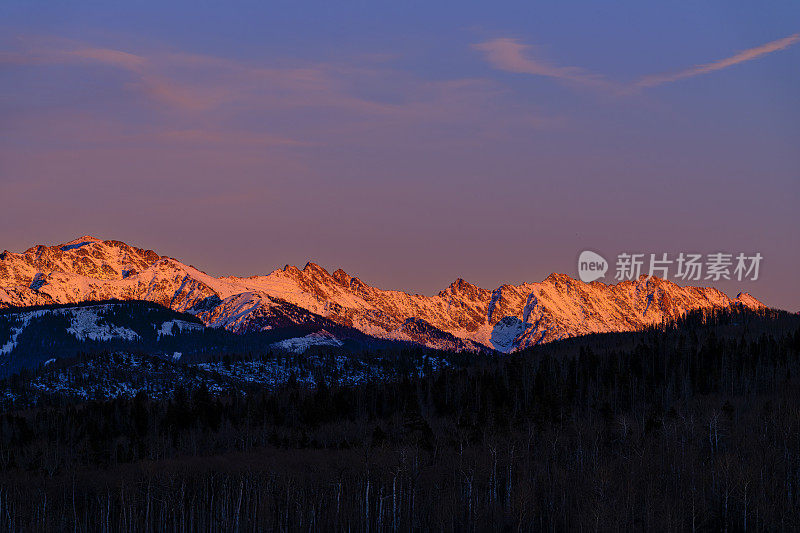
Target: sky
x: 408, y: 143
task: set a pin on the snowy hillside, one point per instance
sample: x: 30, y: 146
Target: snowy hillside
x: 32, y: 336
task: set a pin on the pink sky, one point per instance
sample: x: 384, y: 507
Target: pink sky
x: 406, y: 149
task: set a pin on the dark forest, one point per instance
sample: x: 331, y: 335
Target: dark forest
x: 690, y: 426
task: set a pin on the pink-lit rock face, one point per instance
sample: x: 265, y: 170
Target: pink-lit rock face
x: 462, y: 316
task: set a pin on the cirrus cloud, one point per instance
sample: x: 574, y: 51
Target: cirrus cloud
x: 511, y: 55
x: 697, y: 70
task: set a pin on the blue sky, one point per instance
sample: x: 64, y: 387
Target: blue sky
x: 408, y: 143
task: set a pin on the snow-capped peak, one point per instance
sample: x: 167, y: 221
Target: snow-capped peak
x: 507, y: 318
x: 80, y: 241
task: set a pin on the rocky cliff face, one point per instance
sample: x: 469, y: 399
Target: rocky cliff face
x: 462, y: 316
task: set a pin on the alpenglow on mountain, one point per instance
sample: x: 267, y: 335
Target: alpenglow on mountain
x: 462, y: 316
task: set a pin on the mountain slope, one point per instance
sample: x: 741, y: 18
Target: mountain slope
x: 30, y: 337
x: 462, y: 316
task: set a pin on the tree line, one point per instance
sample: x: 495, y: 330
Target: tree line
x: 694, y: 425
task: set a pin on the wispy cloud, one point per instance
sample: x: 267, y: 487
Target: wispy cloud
x: 195, y: 82
x: 190, y: 100
x: 146, y: 74
x: 741, y: 57
x: 511, y: 55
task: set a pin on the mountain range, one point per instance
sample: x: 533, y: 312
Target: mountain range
x: 460, y: 317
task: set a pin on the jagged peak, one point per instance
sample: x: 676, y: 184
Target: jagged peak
x: 291, y: 269
x: 341, y: 276
x: 85, y: 238
x: 460, y: 288
x: 315, y: 269
x: 457, y: 286
x: 557, y: 276
x: 35, y: 249
x: 79, y: 243
x: 461, y: 284
x: 310, y: 269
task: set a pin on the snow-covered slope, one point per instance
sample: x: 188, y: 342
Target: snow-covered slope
x: 301, y: 344
x: 462, y: 316
x: 84, y: 323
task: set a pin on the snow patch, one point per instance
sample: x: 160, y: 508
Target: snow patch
x: 8, y: 347
x: 182, y: 325
x: 83, y: 325
x: 301, y: 344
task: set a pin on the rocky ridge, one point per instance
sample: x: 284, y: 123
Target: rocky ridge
x: 462, y: 316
